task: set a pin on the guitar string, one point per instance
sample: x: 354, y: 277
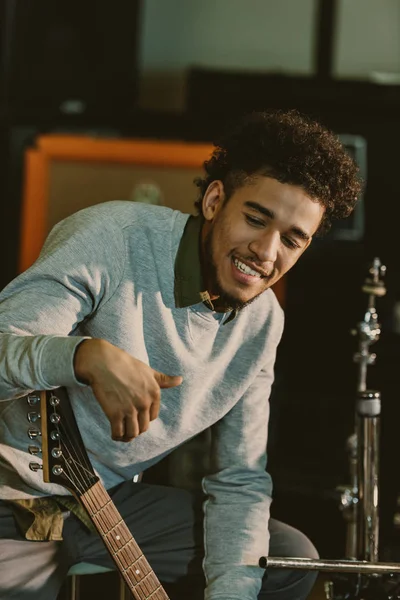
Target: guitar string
x: 74, y: 461
x: 70, y: 446
x: 71, y: 451
x: 71, y: 442
x: 77, y: 457
x: 101, y: 496
x: 152, y: 579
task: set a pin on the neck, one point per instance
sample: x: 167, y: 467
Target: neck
x: 128, y: 557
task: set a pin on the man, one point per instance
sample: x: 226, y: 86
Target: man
x: 161, y: 326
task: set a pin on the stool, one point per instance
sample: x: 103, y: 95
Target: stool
x: 89, y: 569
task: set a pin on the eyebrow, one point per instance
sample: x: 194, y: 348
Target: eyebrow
x: 297, y: 231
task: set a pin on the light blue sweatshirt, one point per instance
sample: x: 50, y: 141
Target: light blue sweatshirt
x: 108, y: 272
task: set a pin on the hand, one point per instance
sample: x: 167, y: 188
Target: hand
x: 127, y: 389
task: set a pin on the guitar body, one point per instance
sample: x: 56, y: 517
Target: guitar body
x: 65, y: 462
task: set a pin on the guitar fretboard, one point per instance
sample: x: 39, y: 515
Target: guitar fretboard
x: 128, y: 557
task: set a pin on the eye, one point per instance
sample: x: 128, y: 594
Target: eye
x: 253, y: 221
x: 290, y: 243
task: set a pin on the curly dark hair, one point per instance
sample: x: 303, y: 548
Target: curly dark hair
x: 291, y: 148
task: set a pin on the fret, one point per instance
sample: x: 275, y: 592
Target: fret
x: 66, y: 462
x: 129, y: 559
x: 155, y: 593
x: 97, y: 515
x: 113, y: 519
x: 140, y: 568
x: 117, y: 540
x: 122, y: 533
x: 110, y: 519
x: 126, y: 561
x: 139, y: 593
x: 124, y: 547
x: 161, y: 595
x: 128, y: 545
x: 106, y: 524
x: 149, y: 587
x: 142, y: 593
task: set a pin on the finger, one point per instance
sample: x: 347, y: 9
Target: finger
x: 116, y: 418
x: 167, y: 381
x: 144, y: 420
x: 132, y: 427
x: 117, y: 428
x: 154, y: 410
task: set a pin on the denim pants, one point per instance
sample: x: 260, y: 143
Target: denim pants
x: 167, y: 525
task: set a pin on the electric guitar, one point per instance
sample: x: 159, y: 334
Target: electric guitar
x: 65, y: 462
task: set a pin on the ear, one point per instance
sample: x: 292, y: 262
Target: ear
x: 213, y: 199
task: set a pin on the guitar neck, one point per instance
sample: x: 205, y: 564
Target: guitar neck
x: 126, y: 554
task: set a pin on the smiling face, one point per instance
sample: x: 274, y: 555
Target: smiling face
x: 252, y: 239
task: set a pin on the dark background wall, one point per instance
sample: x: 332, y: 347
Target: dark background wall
x: 60, y: 73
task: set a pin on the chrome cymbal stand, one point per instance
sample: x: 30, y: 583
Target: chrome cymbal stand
x: 368, y: 411
x: 360, y: 499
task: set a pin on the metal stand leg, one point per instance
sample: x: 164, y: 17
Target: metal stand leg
x: 124, y: 593
x: 74, y: 585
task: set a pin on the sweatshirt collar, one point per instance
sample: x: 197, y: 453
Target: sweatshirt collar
x: 189, y: 288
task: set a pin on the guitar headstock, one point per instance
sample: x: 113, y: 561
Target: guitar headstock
x: 65, y: 461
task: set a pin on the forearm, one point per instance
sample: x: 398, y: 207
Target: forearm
x: 79, y: 268
x: 236, y: 532
x: 35, y: 362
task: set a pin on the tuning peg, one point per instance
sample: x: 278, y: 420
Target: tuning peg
x: 33, y: 416
x: 35, y: 466
x: 33, y: 399
x: 33, y: 433
x: 34, y: 450
x: 55, y: 418
x: 54, y: 401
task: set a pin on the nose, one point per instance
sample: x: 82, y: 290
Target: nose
x: 265, y: 247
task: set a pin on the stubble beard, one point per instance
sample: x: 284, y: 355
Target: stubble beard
x: 225, y: 299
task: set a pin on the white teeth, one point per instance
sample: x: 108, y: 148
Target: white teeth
x: 245, y: 269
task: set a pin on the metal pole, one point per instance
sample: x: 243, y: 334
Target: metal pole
x: 344, y: 566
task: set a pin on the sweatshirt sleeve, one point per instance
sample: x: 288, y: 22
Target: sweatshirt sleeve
x: 238, y: 488
x: 79, y: 268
